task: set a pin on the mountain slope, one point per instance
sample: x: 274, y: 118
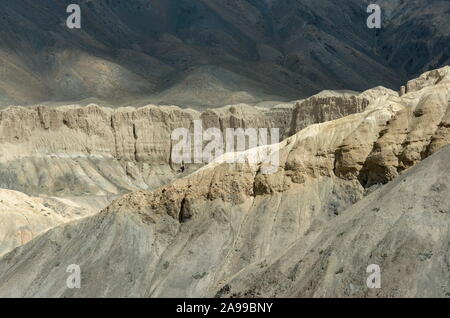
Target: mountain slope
x: 23, y: 217
x: 402, y: 227
x: 132, y: 51
x: 195, y: 236
x: 98, y: 151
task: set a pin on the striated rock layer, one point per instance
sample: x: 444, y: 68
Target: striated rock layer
x: 310, y: 229
x: 93, y: 150
x: 90, y: 155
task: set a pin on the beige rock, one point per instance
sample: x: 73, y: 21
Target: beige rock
x: 371, y: 147
x: 23, y: 217
x: 229, y: 230
x: 93, y: 150
x: 321, y: 109
x: 439, y: 76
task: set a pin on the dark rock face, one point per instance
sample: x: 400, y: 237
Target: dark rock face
x: 192, y: 53
x: 416, y: 35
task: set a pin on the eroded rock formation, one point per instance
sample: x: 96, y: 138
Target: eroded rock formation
x: 310, y: 229
x: 93, y: 150
x: 22, y: 217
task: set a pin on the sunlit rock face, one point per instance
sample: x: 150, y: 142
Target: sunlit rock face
x: 368, y: 188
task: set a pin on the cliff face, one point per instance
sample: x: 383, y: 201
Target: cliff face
x: 85, y: 150
x: 321, y: 109
x: 93, y: 150
x: 90, y: 155
x: 308, y: 230
x: 372, y: 147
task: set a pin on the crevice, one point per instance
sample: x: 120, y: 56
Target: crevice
x: 135, y: 143
x: 185, y: 213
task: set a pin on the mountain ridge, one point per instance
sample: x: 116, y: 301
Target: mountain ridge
x: 130, y: 51
x: 228, y: 230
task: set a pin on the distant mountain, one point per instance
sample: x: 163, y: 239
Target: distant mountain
x: 140, y: 51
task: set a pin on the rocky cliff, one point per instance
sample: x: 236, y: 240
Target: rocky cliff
x: 310, y: 229
x: 90, y: 155
x: 93, y: 150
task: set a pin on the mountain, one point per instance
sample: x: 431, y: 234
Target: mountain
x: 97, y: 151
x: 23, y: 217
x: 84, y: 157
x: 212, y: 52
x: 402, y: 227
x: 367, y: 188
